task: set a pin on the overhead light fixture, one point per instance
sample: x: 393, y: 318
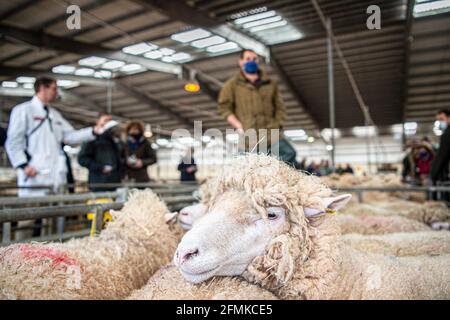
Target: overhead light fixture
x: 191, y: 35
x: 364, y: 131
x: 254, y: 17
x: 261, y: 22
x: 295, y: 133
x: 269, y: 26
x: 311, y: 139
x: 92, y: 61
x: 113, y: 64
x: 9, y: 84
x: 26, y: 79
x: 192, y: 87
x: 67, y: 83
x: 166, y: 51
x: 28, y: 86
x: 329, y: 147
x: 153, y: 54
x: 84, y: 72
x: 103, y: 74
x: 203, y: 43
x: 223, y: 47
x: 64, y: 69
x: 431, y: 6
x: 167, y: 59
x: 139, y: 48
x: 181, y: 56
x: 133, y: 67
x: 326, y: 133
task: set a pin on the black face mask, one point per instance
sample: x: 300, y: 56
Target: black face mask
x: 136, y: 136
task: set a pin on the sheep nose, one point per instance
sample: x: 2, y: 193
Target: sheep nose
x: 186, y: 254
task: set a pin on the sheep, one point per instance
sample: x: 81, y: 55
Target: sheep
x: 402, y: 244
x: 348, y: 223
x: 168, y: 284
x: 432, y: 213
x: 270, y: 224
x: 109, y: 266
x: 371, y: 225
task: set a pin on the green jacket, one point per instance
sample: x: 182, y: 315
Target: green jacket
x: 256, y: 107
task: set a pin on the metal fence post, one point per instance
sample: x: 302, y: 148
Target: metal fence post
x: 99, y: 212
x: 6, y: 238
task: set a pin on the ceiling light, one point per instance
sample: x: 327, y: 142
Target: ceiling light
x: 63, y: 69
x: 311, y: 139
x: 364, y: 131
x: 269, y: 26
x: 255, y: 17
x: 113, y: 64
x: 329, y: 147
x: 167, y: 59
x: 91, y: 61
x: 103, y: 74
x: 131, y: 67
x: 431, y: 6
x: 208, y: 42
x: 191, y: 35
x: 26, y: 79
x: 139, y: 48
x: 153, y: 54
x: 192, y: 87
x: 167, y: 51
x: 9, y: 84
x: 181, y: 56
x: 84, y: 72
x: 28, y: 86
x: 223, y: 47
x: 295, y: 133
x: 67, y: 83
x: 261, y: 22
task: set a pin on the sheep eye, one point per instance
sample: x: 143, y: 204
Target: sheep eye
x: 274, y: 212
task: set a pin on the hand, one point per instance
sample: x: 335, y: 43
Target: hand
x: 30, y: 171
x: 190, y: 169
x: 138, y: 164
x: 101, y: 123
x: 106, y: 169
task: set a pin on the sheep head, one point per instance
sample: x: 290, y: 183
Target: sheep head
x: 257, y: 223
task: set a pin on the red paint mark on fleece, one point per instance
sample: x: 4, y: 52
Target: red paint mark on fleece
x: 33, y: 252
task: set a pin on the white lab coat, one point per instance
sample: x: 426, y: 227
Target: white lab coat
x: 44, y: 145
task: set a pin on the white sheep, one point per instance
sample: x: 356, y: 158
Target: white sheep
x: 401, y: 244
x: 109, y: 266
x: 168, y: 284
x: 270, y: 224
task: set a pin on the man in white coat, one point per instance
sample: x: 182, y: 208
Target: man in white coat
x: 34, y: 139
x: 34, y: 143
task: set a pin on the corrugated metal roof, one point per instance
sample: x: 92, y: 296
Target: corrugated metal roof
x: 376, y: 57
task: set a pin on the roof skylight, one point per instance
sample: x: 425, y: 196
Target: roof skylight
x: 427, y: 7
x: 139, y: 48
x: 64, y: 69
x: 203, y: 43
x: 223, y: 47
x: 113, y: 64
x: 92, y: 61
x: 190, y: 35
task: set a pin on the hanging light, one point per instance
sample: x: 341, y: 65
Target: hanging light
x: 192, y: 87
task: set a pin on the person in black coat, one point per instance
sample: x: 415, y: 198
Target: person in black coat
x: 2, y: 136
x: 187, y: 167
x: 104, y: 158
x: 439, y: 170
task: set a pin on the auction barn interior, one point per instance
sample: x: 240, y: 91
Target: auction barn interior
x: 149, y: 147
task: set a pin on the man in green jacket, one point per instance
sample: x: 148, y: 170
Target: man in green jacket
x: 251, y: 100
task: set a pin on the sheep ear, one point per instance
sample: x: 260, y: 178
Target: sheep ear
x: 338, y: 202
x: 170, y: 216
x: 331, y: 203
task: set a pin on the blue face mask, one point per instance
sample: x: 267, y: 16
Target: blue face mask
x: 251, y: 67
x: 442, y: 125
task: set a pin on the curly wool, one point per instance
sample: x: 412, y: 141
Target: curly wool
x: 324, y: 267
x: 169, y: 284
x: 378, y: 224
x: 109, y: 266
x: 402, y: 244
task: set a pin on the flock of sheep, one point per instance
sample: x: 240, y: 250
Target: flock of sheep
x: 262, y: 230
